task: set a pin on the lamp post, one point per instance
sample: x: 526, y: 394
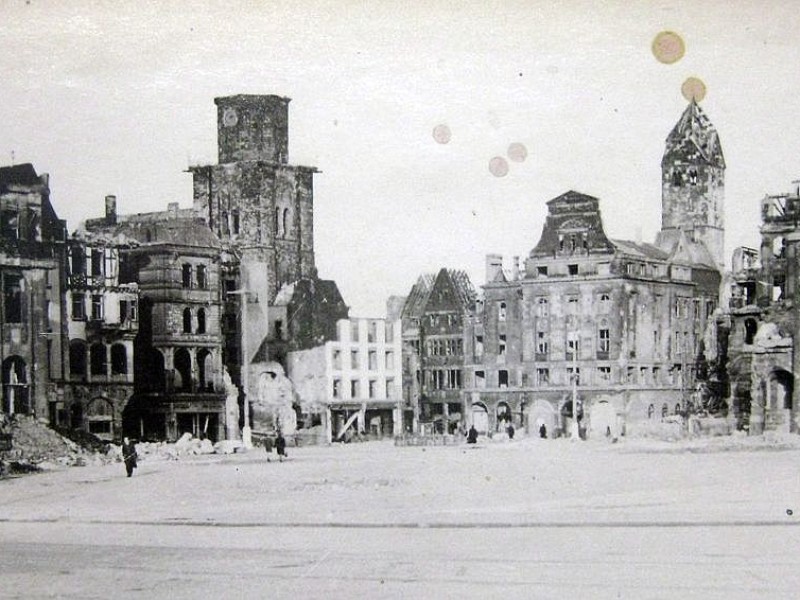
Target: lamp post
x: 575, y: 428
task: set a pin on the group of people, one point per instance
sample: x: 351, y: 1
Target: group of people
x: 280, y: 447
x: 129, y: 455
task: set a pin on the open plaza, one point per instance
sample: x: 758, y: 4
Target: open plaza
x: 530, y: 518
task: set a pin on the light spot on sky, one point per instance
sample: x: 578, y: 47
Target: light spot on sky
x: 441, y: 133
x: 668, y: 47
x: 498, y: 166
x: 693, y: 89
x: 517, y: 152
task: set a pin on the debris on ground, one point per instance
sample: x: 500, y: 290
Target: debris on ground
x: 35, y: 446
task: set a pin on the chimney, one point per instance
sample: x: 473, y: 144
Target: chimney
x: 172, y: 209
x: 515, y: 268
x: 111, y: 209
x: 494, y: 264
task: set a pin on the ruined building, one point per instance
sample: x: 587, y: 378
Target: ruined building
x: 756, y: 339
x: 436, y: 316
x: 355, y: 378
x: 155, y: 324
x: 32, y: 331
x: 615, y: 324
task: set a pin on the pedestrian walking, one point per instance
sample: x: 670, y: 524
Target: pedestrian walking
x: 472, y: 435
x: 280, y: 447
x: 268, y: 447
x: 129, y: 455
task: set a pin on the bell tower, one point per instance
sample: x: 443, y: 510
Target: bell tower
x: 693, y: 185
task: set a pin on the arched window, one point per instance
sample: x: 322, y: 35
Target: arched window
x: 676, y: 178
x: 97, y: 357
x: 678, y: 408
x: 15, y: 389
x: 204, y: 370
x: 186, y: 275
x: 235, y: 224
x: 187, y: 320
x: 651, y: 411
x: 501, y: 312
x: 202, y: 281
x: 77, y: 358
x: 664, y: 410
x: 750, y: 329
x: 119, y: 360
x: 201, y: 320
x: 278, y: 222
x: 286, y: 223
x: 183, y: 370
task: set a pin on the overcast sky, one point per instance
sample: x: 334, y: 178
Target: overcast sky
x: 117, y: 98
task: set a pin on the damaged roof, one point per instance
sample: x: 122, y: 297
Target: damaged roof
x: 145, y: 230
x: 694, y: 137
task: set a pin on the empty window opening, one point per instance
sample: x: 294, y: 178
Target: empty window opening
x: 201, y: 320
x: 186, y: 275
x: 502, y: 378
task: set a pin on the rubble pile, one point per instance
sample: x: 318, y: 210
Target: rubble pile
x: 35, y: 446
x: 186, y: 445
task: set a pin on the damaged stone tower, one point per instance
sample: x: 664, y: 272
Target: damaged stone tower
x: 253, y: 199
x: 261, y: 208
x: 693, y: 185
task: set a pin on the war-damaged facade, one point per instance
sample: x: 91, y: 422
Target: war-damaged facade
x: 615, y: 324
x: 758, y: 335
x: 156, y: 324
x: 436, y: 316
x: 32, y: 330
x: 355, y: 379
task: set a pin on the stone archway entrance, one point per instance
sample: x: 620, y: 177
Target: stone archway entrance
x: 603, y: 420
x: 480, y: 417
x: 778, y: 401
x: 542, y: 414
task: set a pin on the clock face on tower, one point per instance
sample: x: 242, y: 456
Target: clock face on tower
x: 229, y: 117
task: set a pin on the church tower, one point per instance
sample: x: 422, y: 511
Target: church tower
x: 693, y: 185
x: 253, y: 199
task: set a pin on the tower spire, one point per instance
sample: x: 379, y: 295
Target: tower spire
x: 693, y: 184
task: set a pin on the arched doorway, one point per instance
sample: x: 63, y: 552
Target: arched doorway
x: 183, y: 370
x: 502, y: 415
x: 603, y: 419
x: 205, y: 368
x: 542, y: 414
x: 15, y: 386
x: 779, y: 400
x: 480, y: 418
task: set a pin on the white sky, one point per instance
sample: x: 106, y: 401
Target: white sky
x: 117, y: 97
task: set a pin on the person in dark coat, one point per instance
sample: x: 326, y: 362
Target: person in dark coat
x: 129, y: 455
x: 472, y: 435
x: 542, y: 431
x: 268, y: 447
x: 510, y: 431
x: 280, y: 446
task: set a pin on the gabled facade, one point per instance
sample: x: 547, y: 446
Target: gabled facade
x: 438, y: 312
